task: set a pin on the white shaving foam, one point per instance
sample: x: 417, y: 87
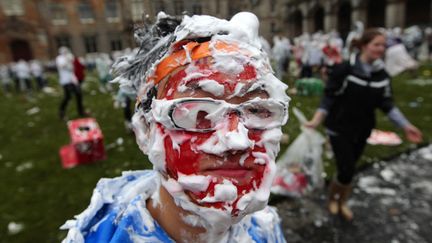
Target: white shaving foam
x: 211, y: 86
x: 194, y: 183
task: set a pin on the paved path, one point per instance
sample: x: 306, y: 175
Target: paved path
x: 392, y: 202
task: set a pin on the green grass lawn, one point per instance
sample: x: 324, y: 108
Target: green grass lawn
x: 39, y: 194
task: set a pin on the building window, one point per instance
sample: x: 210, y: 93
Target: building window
x: 112, y: 11
x: 116, y: 44
x: 178, y: 7
x: 63, y: 40
x: 137, y: 10
x: 58, y: 14
x: 12, y: 7
x: 90, y: 43
x: 197, y: 8
x: 85, y: 12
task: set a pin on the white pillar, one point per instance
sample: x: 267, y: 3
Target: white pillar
x: 330, y: 20
x: 395, y: 14
x: 359, y: 14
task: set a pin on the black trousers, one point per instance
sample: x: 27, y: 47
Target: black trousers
x: 347, y: 150
x: 40, y: 81
x: 70, y: 89
x: 22, y: 84
x: 306, y: 71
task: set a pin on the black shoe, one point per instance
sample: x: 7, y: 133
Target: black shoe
x: 85, y: 114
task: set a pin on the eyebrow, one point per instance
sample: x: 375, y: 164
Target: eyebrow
x: 192, y: 84
x: 253, y: 87
x: 249, y: 88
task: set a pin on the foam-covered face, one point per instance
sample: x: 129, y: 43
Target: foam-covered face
x: 221, y: 168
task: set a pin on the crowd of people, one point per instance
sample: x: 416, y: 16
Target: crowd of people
x: 311, y: 54
x: 23, y: 75
x: 29, y: 77
x: 305, y: 56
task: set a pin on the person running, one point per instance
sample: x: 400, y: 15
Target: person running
x: 68, y: 81
x: 355, y: 89
x: 209, y: 115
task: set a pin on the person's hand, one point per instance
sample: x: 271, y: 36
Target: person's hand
x: 413, y: 134
x: 316, y: 120
x: 311, y: 124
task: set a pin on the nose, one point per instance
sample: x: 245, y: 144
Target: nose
x: 236, y: 136
x: 231, y: 138
x: 233, y: 120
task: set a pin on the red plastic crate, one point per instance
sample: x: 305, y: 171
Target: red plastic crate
x: 86, y: 143
x: 68, y: 156
x: 84, y: 130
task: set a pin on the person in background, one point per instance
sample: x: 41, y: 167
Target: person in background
x: 209, y: 114
x: 6, y: 79
x: 281, y: 53
x: 68, y: 81
x: 23, y: 72
x: 355, y: 89
x: 14, y: 77
x: 103, y: 65
x: 428, y: 34
x: 79, y: 70
x: 37, y: 72
x: 124, y: 99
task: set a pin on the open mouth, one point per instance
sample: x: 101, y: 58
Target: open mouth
x: 235, y: 173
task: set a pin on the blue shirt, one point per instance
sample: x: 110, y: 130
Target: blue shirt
x: 117, y: 213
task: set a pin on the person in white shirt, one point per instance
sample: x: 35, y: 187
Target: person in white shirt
x: 67, y: 79
x: 37, y: 72
x: 23, y: 74
x: 5, y: 79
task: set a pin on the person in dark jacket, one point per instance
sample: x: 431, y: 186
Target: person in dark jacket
x: 355, y: 89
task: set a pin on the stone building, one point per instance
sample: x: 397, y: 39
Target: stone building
x: 36, y: 28
x: 23, y: 35
x: 313, y: 15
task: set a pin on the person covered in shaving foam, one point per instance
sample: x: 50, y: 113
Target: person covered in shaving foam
x: 209, y: 117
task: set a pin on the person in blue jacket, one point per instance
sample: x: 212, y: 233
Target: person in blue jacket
x: 209, y: 114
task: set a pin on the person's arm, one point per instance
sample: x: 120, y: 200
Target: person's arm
x: 317, y: 118
x: 412, y: 133
x: 334, y: 87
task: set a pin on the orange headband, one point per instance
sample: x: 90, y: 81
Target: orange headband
x: 190, y: 52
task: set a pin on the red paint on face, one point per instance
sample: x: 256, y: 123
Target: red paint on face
x: 189, y: 160
x: 229, y: 81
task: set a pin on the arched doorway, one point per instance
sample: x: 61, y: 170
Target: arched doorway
x: 376, y: 13
x: 297, y: 21
x: 319, y: 19
x: 344, y: 19
x: 20, y: 49
x: 418, y: 12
